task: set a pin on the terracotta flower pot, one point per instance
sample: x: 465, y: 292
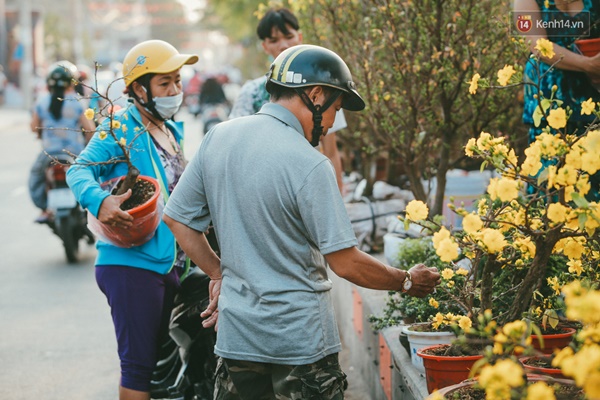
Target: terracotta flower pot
x: 419, y: 339
x: 553, y: 341
x: 146, y: 219
x: 588, y: 47
x: 442, y: 371
x: 532, y: 369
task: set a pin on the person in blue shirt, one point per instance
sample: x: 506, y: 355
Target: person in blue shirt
x: 59, y: 121
x: 140, y: 282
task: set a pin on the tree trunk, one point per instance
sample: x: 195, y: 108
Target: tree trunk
x: 129, y: 181
x: 490, y: 268
x: 535, y: 274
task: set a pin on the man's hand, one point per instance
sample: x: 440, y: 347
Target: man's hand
x: 424, y: 280
x: 211, y: 314
x: 110, y: 212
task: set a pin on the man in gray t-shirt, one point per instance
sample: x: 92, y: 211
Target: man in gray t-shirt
x: 280, y: 220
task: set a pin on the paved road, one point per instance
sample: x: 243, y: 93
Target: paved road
x: 56, y: 338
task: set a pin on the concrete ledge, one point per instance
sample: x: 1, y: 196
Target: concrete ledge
x: 379, y: 357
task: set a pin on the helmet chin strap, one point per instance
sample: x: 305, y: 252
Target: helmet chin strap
x: 150, y: 105
x: 317, y: 112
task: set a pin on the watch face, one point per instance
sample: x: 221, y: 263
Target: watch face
x: 407, y: 284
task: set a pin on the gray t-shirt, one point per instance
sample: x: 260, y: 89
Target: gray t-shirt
x: 276, y: 208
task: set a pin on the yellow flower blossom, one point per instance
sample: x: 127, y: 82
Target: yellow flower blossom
x: 440, y: 235
x: 575, y: 267
x: 553, y: 283
x: 474, y: 84
x: 447, y: 250
x: 102, y: 135
x: 462, y: 271
x: 505, y: 74
x: 122, y: 141
x: 472, y: 223
x: 438, y: 320
x: 588, y: 107
x: 447, y: 273
x: 450, y: 284
x: 433, y: 303
x: 493, y: 240
x: 545, y: 47
x: 557, y: 213
x: 507, y: 189
x: 89, y: 114
x: 469, y: 147
x: 557, y: 118
x: 465, y: 323
x: 497, y: 379
x: 566, y: 176
x: 540, y: 391
x: 416, y: 210
x: 116, y: 124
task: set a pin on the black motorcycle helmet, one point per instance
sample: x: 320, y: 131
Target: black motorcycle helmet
x: 306, y: 65
x: 61, y: 75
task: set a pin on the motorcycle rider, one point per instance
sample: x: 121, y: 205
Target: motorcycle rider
x: 58, y: 120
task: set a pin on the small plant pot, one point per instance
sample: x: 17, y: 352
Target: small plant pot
x: 146, y: 218
x: 418, y: 340
x: 588, y: 47
x: 533, y: 369
x: 552, y: 341
x: 442, y: 371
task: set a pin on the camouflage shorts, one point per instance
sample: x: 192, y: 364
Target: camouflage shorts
x: 322, y: 380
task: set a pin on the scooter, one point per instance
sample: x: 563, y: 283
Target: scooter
x: 68, y: 219
x: 187, y: 363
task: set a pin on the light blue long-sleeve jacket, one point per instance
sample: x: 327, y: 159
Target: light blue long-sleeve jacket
x: 158, y: 254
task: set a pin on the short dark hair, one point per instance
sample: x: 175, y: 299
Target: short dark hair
x: 279, y: 18
x: 280, y: 92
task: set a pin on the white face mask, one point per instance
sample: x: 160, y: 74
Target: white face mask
x: 168, y: 106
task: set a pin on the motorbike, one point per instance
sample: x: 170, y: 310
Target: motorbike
x: 187, y: 363
x: 213, y: 113
x: 68, y: 219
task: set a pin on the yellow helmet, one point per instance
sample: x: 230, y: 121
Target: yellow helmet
x: 153, y: 57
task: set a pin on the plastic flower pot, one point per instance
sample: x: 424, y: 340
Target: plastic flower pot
x: 532, y: 369
x: 420, y: 339
x: 553, y: 341
x: 146, y: 216
x: 442, y: 371
x: 588, y: 47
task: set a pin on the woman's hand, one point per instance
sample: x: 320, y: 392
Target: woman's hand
x: 593, y: 69
x: 111, y: 214
x: 211, y: 314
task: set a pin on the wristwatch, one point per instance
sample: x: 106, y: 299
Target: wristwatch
x: 407, y: 284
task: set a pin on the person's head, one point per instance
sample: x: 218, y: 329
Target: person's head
x: 320, y: 78
x: 61, y: 77
x: 151, y: 72
x: 278, y: 30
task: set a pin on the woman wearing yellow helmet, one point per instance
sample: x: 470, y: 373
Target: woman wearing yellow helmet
x: 139, y: 282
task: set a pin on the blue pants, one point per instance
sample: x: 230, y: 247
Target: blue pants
x: 140, y: 302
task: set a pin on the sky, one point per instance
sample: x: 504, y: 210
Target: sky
x: 192, y: 7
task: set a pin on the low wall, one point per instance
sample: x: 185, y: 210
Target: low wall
x: 383, y: 363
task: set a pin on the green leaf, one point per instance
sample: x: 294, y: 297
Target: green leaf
x: 537, y: 116
x: 551, y: 317
x: 542, y: 177
x: 579, y: 200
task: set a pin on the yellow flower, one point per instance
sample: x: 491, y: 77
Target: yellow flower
x: 450, y: 284
x: 472, y: 143
x: 545, y: 47
x: 557, y: 118
x: 472, y: 223
x: 440, y: 235
x: 102, y: 135
x: 116, y: 124
x: 474, y: 84
x: 433, y: 303
x: 502, y: 376
x: 462, y: 271
x: 447, y: 273
x: 416, y: 210
x: 465, y: 323
x: 553, y: 283
x: 507, y: 189
x: 540, y: 391
x: 122, y: 141
x: 588, y: 107
x: 437, y: 320
x: 575, y: 267
x: 89, y: 114
x: 447, y: 250
x: 557, y: 213
x: 505, y: 74
x: 493, y: 240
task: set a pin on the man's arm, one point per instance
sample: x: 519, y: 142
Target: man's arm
x: 364, y: 270
x: 196, y: 247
